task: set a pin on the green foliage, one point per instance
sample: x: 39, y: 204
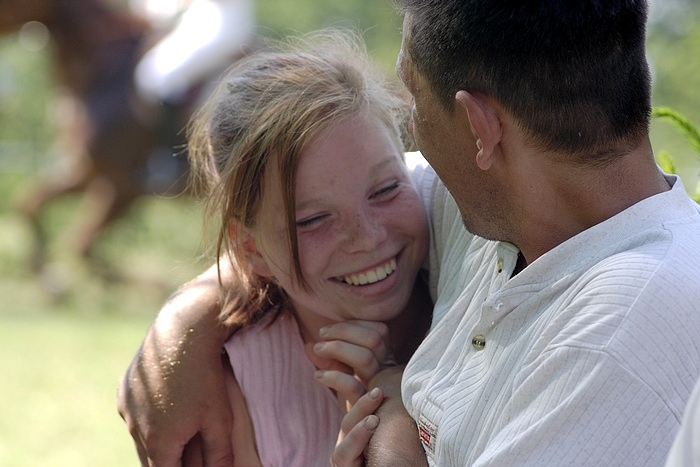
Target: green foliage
x: 666, y: 162
x: 376, y: 19
x: 673, y: 49
x: 688, y: 130
x: 676, y: 68
x: 25, y: 90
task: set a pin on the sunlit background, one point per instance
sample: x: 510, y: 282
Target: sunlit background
x: 68, y: 333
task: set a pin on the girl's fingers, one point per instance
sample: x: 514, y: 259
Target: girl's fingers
x: 325, y: 363
x: 368, y: 334
x: 365, y: 406
x: 357, y: 428
x: 349, y: 451
x: 347, y: 386
x: 363, y: 361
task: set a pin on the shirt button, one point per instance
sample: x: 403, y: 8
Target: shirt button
x: 499, y: 265
x: 479, y: 342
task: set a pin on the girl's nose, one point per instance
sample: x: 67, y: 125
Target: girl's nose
x: 364, y: 233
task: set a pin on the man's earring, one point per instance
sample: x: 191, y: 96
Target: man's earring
x: 479, y: 146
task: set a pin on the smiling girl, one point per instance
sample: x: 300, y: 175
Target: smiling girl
x: 301, y: 154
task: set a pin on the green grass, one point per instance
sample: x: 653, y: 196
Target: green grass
x: 60, y: 374
x: 63, y: 355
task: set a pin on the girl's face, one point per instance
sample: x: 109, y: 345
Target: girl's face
x: 361, y: 229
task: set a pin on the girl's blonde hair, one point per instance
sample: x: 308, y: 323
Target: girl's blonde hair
x: 267, y: 108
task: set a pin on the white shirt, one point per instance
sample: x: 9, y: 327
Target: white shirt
x: 685, y: 451
x: 590, y: 352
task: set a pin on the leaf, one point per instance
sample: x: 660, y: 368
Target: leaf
x: 665, y: 161
x: 689, y: 130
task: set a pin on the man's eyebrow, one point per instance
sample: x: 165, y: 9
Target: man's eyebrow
x: 398, y: 73
x: 401, y: 69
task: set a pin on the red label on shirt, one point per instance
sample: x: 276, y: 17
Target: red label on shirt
x: 428, y: 432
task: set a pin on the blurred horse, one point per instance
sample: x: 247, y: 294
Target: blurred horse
x: 119, y: 147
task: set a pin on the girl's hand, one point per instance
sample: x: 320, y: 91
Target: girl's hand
x: 351, y: 353
x: 361, y: 345
x: 356, y: 430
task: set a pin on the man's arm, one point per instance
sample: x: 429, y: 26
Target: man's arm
x: 174, y: 388
x: 395, y: 440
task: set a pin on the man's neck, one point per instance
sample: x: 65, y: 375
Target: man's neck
x: 557, y: 201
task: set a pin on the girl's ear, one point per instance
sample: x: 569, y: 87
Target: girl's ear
x: 485, y: 125
x: 244, y: 238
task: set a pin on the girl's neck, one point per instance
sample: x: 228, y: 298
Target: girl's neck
x: 408, y: 329
x: 309, y: 324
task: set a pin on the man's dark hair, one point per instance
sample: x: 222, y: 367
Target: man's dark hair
x: 574, y: 74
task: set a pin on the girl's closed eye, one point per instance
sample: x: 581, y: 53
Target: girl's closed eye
x: 310, y: 221
x: 386, y: 191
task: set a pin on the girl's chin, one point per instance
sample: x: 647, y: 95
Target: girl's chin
x: 380, y: 311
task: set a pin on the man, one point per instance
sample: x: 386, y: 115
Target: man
x: 567, y: 322
x: 535, y: 116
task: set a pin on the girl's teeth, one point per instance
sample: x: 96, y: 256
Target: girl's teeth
x: 371, y: 277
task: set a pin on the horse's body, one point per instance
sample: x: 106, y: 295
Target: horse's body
x: 118, y: 152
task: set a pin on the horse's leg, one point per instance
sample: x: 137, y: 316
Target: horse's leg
x: 73, y: 174
x: 104, y: 205
x: 33, y: 204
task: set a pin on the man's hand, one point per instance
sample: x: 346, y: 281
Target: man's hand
x: 174, y: 390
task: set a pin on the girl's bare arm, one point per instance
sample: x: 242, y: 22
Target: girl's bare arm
x: 174, y: 388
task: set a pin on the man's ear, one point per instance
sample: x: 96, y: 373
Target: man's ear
x: 485, y: 125
x: 242, y: 237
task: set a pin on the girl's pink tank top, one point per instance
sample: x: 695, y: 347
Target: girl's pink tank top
x: 296, y: 420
